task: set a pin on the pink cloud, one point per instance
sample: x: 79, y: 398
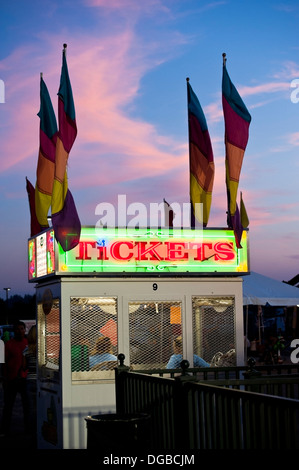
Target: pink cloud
x: 270, y: 87
x: 19, y: 143
x: 214, y: 112
x: 293, y: 139
x: 105, y: 78
x: 289, y: 71
x: 126, y: 6
x: 112, y: 147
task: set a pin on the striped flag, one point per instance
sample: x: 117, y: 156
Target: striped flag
x: 65, y: 220
x: 237, y: 120
x: 201, y: 160
x: 46, y: 157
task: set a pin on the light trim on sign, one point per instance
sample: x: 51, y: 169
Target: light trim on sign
x: 137, y: 252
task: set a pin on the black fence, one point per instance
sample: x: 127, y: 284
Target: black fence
x: 216, y: 408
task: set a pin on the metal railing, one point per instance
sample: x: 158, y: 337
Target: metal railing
x: 237, y: 372
x: 190, y: 413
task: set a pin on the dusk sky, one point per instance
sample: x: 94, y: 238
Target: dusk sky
x: 128, y: 62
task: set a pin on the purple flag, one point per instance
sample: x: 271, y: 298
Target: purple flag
x: 66, y: 224
x: 234, y: 221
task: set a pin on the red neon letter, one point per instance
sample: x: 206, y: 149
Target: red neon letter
x: 102, y: 252
x: 201, y: 253
x: 175, y: 251
x: 116, y: 247
x: 143, y: 251
x: 226, y: 250
x: 83, y: 250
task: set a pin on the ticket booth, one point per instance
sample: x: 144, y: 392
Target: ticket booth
x: 138, y: 290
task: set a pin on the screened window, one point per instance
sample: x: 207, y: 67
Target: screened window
x: 152, y: 329
x: 49, y: 336
x: 214, y: 329
x: 93, y: 337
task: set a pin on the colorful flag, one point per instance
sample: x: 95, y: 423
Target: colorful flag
x: 237, y: 120
x: 35, y: 227
x: 234, y: 221
x: 46, y: 157
x: 201, y: 160
x: 65, y: 220
x: 66, y: 224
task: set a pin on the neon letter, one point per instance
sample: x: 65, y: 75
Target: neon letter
x: 116, y: 247
x: 224, y: 249
x: 176, y: 251
x: 143, y: 251
x: 201, y: 256
x: 83, y: 251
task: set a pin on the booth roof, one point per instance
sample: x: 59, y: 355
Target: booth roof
x: 262, y: 290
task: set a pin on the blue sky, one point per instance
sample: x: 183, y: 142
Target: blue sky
x: 128, y: 62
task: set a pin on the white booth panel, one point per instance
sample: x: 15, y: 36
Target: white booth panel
x: 140, y: 317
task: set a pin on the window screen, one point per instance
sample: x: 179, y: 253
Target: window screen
x: 93, y: 337
x: 49, y: 336
x: 214, y: 329
x: 152, y: 329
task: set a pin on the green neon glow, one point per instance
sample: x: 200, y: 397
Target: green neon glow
x: 209, y: 251
x: 68, y: 263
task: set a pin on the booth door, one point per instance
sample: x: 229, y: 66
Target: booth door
x: 153, y: 327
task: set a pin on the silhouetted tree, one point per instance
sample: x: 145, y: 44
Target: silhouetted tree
x: 16, y: 308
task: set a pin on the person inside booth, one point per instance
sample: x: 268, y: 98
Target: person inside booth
x: 102, y: 353
x: 176, y: 358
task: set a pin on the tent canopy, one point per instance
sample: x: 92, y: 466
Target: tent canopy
x: 262, y: 290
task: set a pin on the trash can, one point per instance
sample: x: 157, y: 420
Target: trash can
x: 118, y: 431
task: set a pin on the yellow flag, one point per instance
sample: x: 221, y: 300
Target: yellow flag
x: 244, y: 216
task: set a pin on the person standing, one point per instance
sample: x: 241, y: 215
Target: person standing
x: 14, y: 377
x: 29, y: 358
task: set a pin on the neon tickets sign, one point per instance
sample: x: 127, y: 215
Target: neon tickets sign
x: 140, y: 252
x: 156, y: 251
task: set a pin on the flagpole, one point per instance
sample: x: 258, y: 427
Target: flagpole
x: 192, y: 217
x: 227, y: 212
x: 228, y: 217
